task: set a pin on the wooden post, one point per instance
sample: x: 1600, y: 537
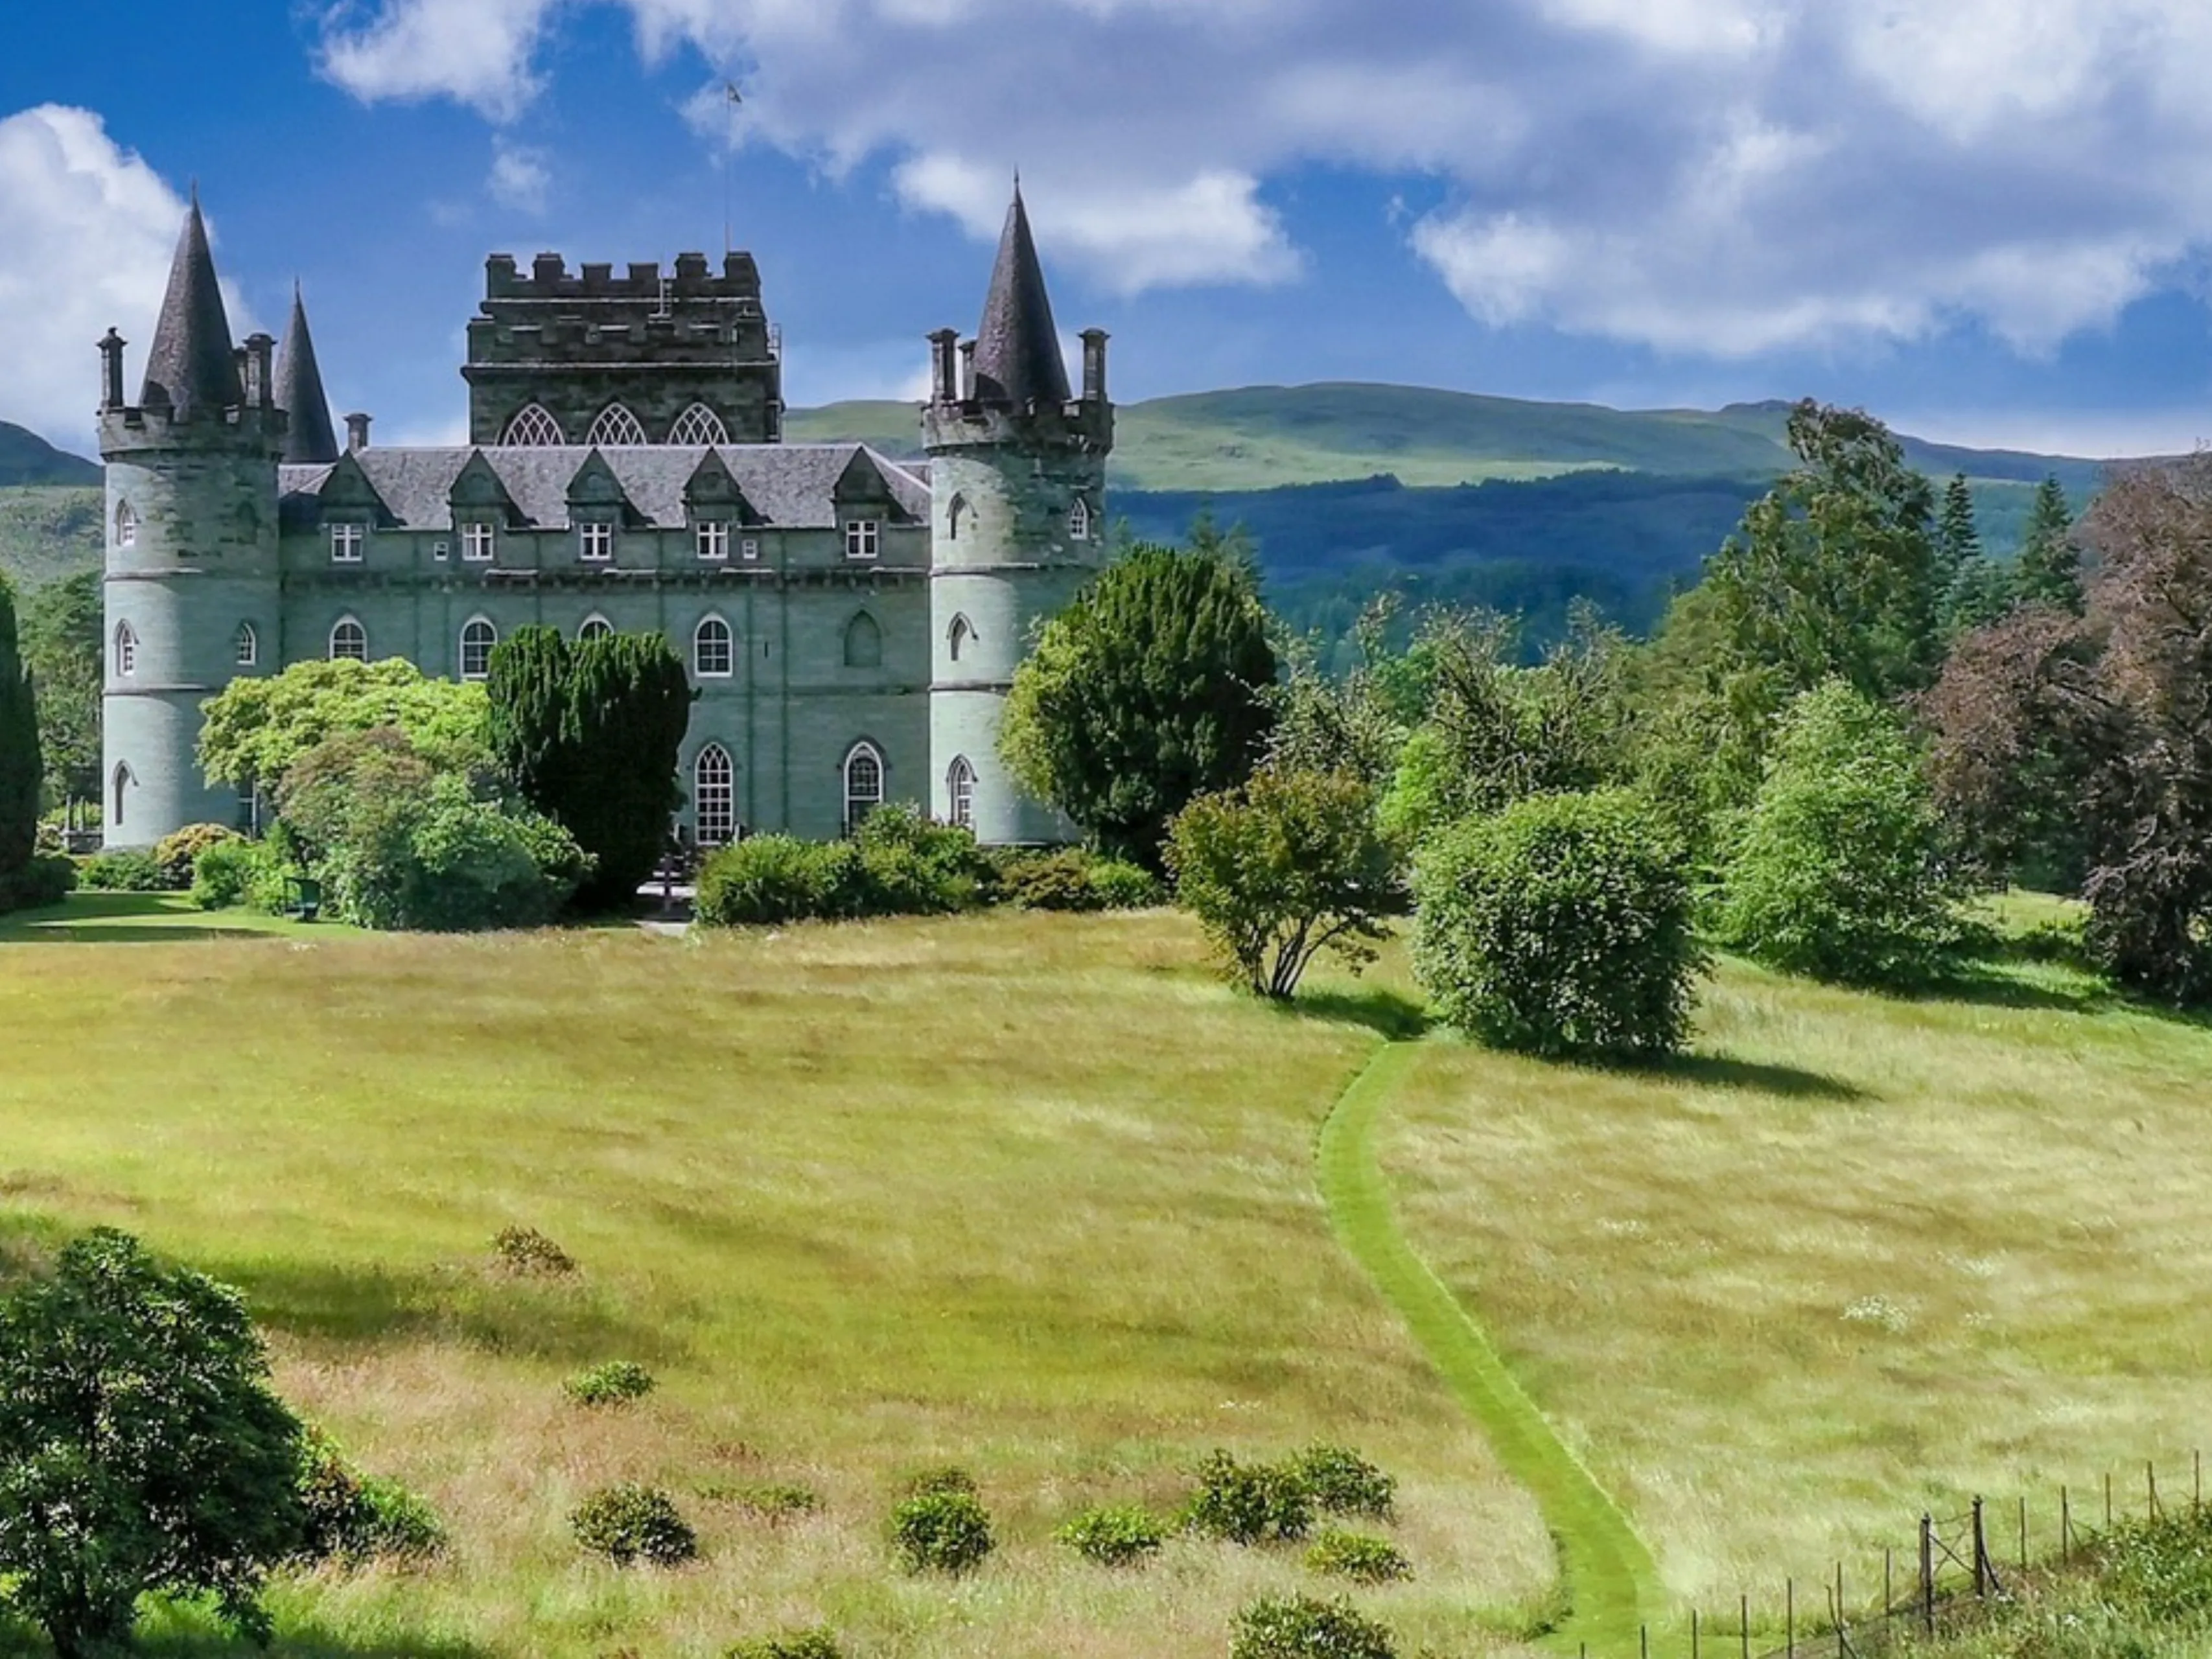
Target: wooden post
x: 2196, y: 1480
x: 1839, y: 1596
x: 1694, y: 1653
x: 2023, y: 1532
x: 2065, y: 1528
x: 1745, y: 1626
x: 2108, y: 1500
x: 1888, y: 1581
x: 1928, y: 1573
x: 1981, y: 1554
x: 1643, y: 1640
x: 2150, y: 1487
x: 1789, y: 1617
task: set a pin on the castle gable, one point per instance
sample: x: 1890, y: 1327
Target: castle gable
x: 595, y: 491
x: 711, y: 491
x: 478, y: 488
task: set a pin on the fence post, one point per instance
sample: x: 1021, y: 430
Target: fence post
x: 1694, y: 1653
x: 2023, y: 1532
x: 2065, y: 1528
x: 1643, y: 1640
x: 1981, y: 1553
x: 1745, y: 1626
x: 2108, y: 1500
x: 1839, y: 1597
x: 1928, y: 1572
x: 2150, y: 1487
x: 1789, y: 1617
x: 2196, y: 1480
x: 1888, y: 1581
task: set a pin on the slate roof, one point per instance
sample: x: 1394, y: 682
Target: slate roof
x: 790, y: 486
x: 1018, y: 359
x: 310, y: 438
x: 192, y: 364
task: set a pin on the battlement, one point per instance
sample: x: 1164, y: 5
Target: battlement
x: 251, y: 428
x: 691, y: 278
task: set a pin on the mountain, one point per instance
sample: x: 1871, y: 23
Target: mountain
x: 48, y: 530
x: 27, y: 458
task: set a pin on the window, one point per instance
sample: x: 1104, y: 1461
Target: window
x: 597, y: 543
x: 438, y: 549
x: 534, y: 428
x: 713, y: 651
x: 126, y: 525
x: 698, y: 425
x: 751, y: 550
x: 863, y: 643
x: 349, y: 639
x: 616, y: 427
x: 957, y: 635
x: 477, y: 641
x: 124, y: 783
x: 712, y: 538
x: 714, y: 796
x: 345, y: 544
x: 1079, y: 520
x: 864, y: 784
x: 954, y: 514
x: 960, y: 792
x: 126, y: 650
x: 475, y: 542
x: 860, y: 538
x: 249, y: 646
x: 595, y: 627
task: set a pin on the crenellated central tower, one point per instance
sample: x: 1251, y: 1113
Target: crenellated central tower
x: 1018, y: 489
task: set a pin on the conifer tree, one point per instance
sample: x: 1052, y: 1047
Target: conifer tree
x: 2050, y: 563
x: 22, y: 768
x: 1962, y: 574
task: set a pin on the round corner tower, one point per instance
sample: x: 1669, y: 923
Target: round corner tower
x: 191, y: 588
x: 1018, y: 502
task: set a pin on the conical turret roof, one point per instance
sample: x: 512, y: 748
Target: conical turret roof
x: 193, y: 364
x: 310, y: 440
x: 1017, y: 357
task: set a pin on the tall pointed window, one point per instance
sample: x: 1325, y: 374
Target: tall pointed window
x: 126, y: 650
x: 864, y: 784
x: 698, y: 425
x: 532, y: 428
x: 125, y: 782
x: 349, y: 639
x: 958, y: 636
x: 616, y: 427
x: 712, y: 651
x: 126, y: 525
x: 478, y: 640
x: 863, y: 643
x: 715, y: 795
x: 1079, y: 520
x: 960, y: 792
x: 955, y: 516
x: 595, y: 627
x: 248, y: 651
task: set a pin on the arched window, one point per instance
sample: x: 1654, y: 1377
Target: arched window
x: 864, y: 784
x: 959, y: 635
x: 126, y: 525
x: 534, y: 428
x: 125, y: 782
x: 960, y: 792
x: 126, y: 650
x: 349, y: 639
x: 617, y: 427
x: 249, y: 646
x: 477, y: 639
x: 955, y: 516
x: 715, y: 795
x: 698, y: 425
x: 595, y: 627
x: 1079, y: 520
x: 713, y: 652
x: 863, y: 643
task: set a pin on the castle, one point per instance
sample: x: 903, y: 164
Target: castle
x: 852, y: 622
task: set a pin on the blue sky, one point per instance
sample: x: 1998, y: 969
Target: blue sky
x: 1986, y: 220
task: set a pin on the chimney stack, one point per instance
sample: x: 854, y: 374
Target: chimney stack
x: 356, y: 432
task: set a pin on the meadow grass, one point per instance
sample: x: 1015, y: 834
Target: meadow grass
x: 1032, y: 1194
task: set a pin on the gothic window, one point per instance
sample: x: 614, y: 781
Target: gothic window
x: 125, y: 782
x: 864, y: 784
x: 595, y: 627
x: 534, y: 428
x: 349, y: 639
x: 475, y: 542
x: 712, y: 651
x: 1079, y: 520
x: 959, y: 635
x: 477, y: 641
x: 712, y: 537
x: 616, y: 427
x: 596, y: 543
x: 863, y: 643
x: 954, y: 517
x: 862, y: 537
x: 714, y: 796
x: 345, y: 544
x: 249, y: 646
x: 960, y: 792
x: 126, y: 650
x: 126, y: 525
x: 698, y: 425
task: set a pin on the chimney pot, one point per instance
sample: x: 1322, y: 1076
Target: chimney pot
x: 356, y: 432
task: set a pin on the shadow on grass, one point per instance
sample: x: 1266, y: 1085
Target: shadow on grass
x: 302, y: 1642
x: 1726, y: 1071
x: 1386, y: 1012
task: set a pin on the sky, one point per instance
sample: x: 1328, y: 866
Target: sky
x: 1986, y: 220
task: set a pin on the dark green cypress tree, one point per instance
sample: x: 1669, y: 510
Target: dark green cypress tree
x: 2050, y: 571
x: 21, y: 766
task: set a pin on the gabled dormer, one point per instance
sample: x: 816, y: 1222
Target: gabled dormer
x: 862, y: 490
x: 596, y: 495
x: 349, y: 492
x: 481, y: 508
x: 713, y: 492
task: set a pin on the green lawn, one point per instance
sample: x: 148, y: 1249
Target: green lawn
x: 143, y: 918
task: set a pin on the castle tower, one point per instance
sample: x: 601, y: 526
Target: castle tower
x: 191, y: 574
x: 1018, y: 489
x: 310, y: 440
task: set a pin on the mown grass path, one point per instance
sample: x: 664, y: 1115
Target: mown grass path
x: 1611, y: 1585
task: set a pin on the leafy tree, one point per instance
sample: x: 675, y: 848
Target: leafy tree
x: 21, y: 768
x: 62, y: 628
x: 1282, y: 869
x: 1560, y: 926
x: 1841, y: 872
x: 1150, y: 690
x: 142, y: 1451
x: 2050, y: 567
x: 589, y: 733
x: 257, y: 729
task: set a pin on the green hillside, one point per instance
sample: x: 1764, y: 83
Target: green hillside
x: 27, y: 458
x: 48, y: 530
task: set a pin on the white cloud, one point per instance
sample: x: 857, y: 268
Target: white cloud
x: 519, y: 178
x: 1714, y: 177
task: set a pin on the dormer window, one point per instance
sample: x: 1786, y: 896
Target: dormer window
x: 477, y: 543
x: 346, y: 541
x: 1079, y: 520
x: 597, y: 543
x: 713, y: 537
x: 863, y: 538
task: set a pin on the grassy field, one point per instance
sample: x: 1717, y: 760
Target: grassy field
x: 1032, y: 1194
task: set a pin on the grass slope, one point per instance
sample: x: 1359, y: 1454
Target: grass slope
x: 48, y: 530
x: 27, y: 458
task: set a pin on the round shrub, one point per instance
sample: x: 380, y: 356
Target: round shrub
x: 527, y: 1251
x: 617, y: 1383
x: 1058, y: 880
x: 1248, y: 1503
x: 631, y: 1523
x: 816, y: 1643
x: 1300, y: 1627
x: 126, y: 871
x: 912, y: 866
x: 178, y: 854
x: 1342, y: 1482
x: 942, y: 1532
x: 353, y: 1517
x: 1560, y: 926
x: 767, y: 880
x: 1120, y: 885
x: 1358, y: 1556
x: 231, y: 873
x: 1116, y: 1536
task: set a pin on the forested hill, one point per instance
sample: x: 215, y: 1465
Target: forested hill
x: 27, y: 458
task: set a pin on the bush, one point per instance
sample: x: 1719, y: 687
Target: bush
x: 913, y: 867
x: 942, y: 1532
x: 816, y: 1643
x: 2161, y: 1570
x: 1840, y: 873
x: 939, y: 1480
x: 1121, y: 885
x: 1560, y: 926
x: 1122, y: 1536
x: 179, y: 854
x: 445, y: 862
x: 767, y: 880
x: 617, y: 1383
x: 527, y: 1251
x: 44, y: 881
x: 1299, y: 1627
x: 1248, y: 1503
x: 254, y: 874
x: 352, y: 1517
x: 1342, y: 1482
x: 1358, y: 1556
x: 126, y: 871
x: 631, y: 1523
x: 1071, y: 879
